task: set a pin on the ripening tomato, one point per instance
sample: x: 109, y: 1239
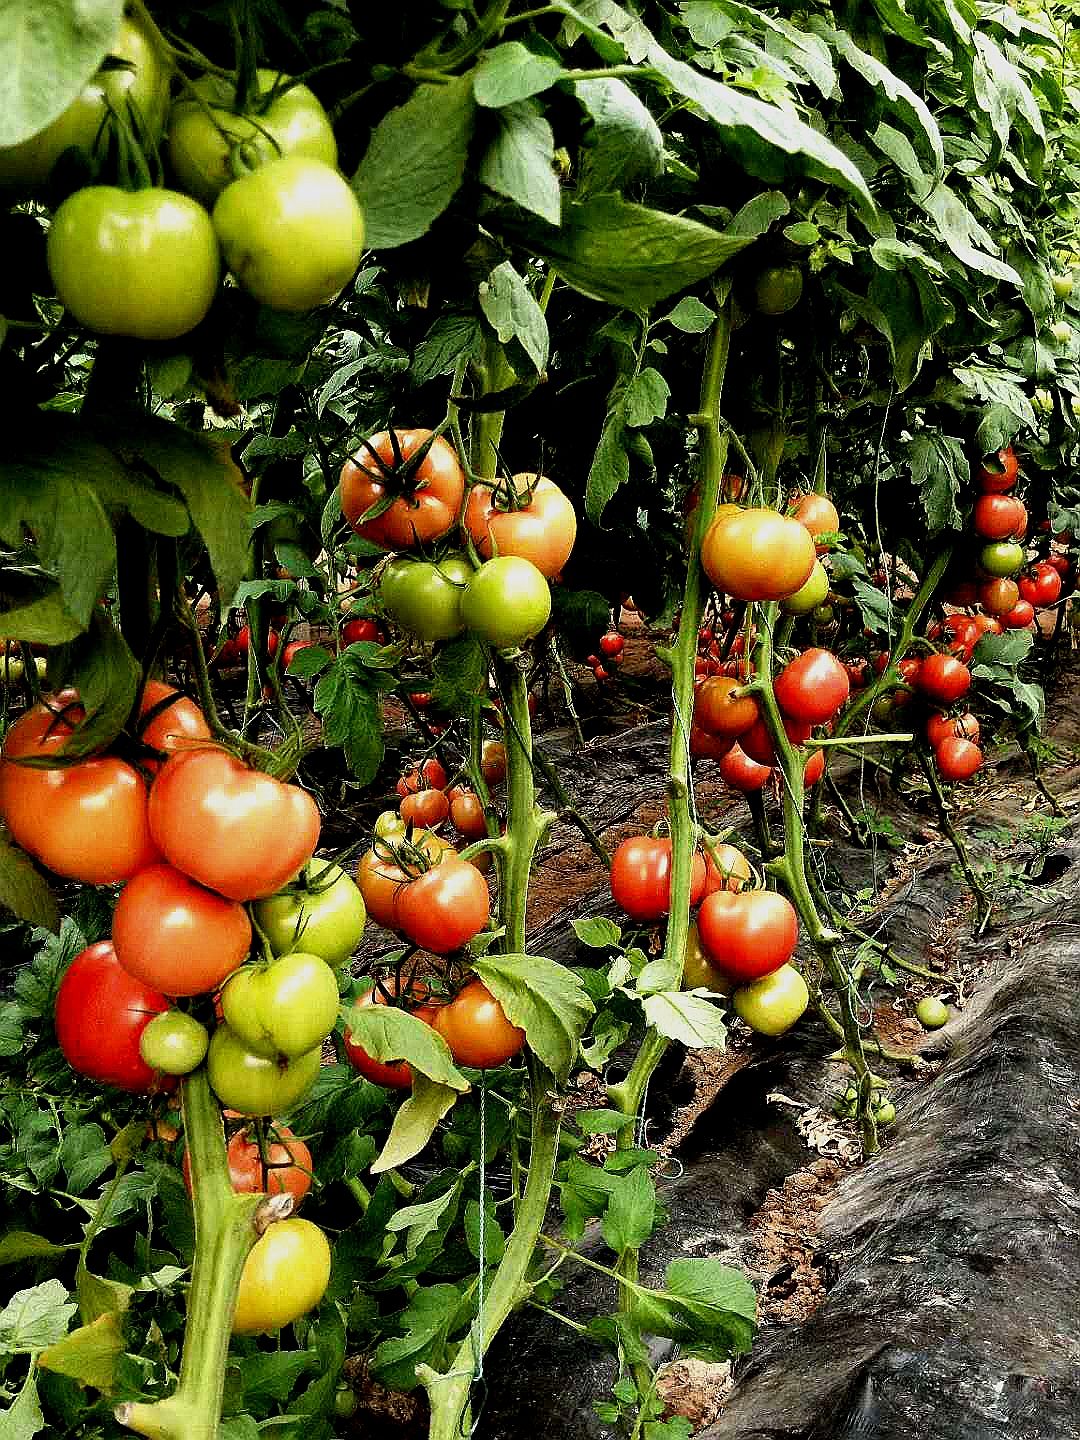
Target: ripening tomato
x: 719, y: 709
x: 101, y: 1012
x: 699, y: 973
x: 174, y: 1043
x: 467, y: 815
x: 957, y: 758
x: 282, y: 1168
x: 236, y: 830
x: 757, y: 554
x: 493, y: 761
x: 943, y: 679
x: 425, y: 808
x: 393, y: 1074
x: 530, y: 517
x: 811, y: 595
x: 1000, y: 474
x: 445, y: 907
x: 356, y: 632
x: 641, y: 877
x: 818, y: 514
x: 997, y: 597
x: 704, y: 746
x: 813, y: 687
x: 253, y: 1084
x: 177, y: 935
x: 321, y: 913
x: 727, y: 868
x: 431, y: 775
x: 284, y: 1008
x: 772, y: 1004
x: 814, y: 768
x: 750, y: 934
x: 87, y: 820
x: 284, y: 1276
x: 1042, y: 586
x: 998, y: 517
x: 743, y: 773
x: 757, y: 744
x: 1001, y: 557
x: 475, y: 1027
x: 168, y: 720
x: 430, y: 495
x: 940, y: 727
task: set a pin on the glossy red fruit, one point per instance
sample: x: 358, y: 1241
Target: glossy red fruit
x: 813, y: 687
x: 999, y: 474
x: 750, y: 934
x: 101, y: 1012
x: 957, y: 758
x: 743, y: 773
x: 943, y: 679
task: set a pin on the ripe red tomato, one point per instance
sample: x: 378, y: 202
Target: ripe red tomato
x: 243, y: 642
x: 88, y: 820
x: 757, y: 554
x: 475, y: 1027
x: 428, y: 494
x: 1060, y: 563
x: 814, y: 768
x: 957, y: 758
x: 743, y: 773
x: 467, y: 815
x: 641, y: 877
x: 101, y: 1012
x: 812, y: 687
x: 234, y: 829
x: 1020, y: 616
x: 285, y: 1171
x: 393, y: 1074
x: 431, y: 775
x: 997, y: 597
x: 542, y: 530
x: 704, y: 746
x: 445, y: 907
x: 1042, y: 586
x: 355, y: 632
x: 943, y: 679
x: 176, y: 935
x: 426, y: 808
x: 940, y: 727
x: 757, y: 744
x: 1000, y: 474
x: 720, y: 710
x: 169, y: 721
x: 998, y: 517
x: 612, y: 644
x: 748, y: 935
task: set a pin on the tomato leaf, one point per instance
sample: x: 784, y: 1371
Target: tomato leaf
x: 520, y: 161
x: 348, y: 698
x: 690, y: 315
x: 415, y: 1122
x: 35, y: 1318
x: 514, y: 315
x: 432, y: 1313
x: 598, y: 932
x: 23, y: 1420
x: 48, y: 51
x: 702, y: 1301
x: 610, y: 466
x: 388, y: 1033
x: 420, y: 1221
x: 455, y: 334
x: 688, y: 1018
x: 460, y: 675
x: 106, y: 674
x: 545, y: 999
x: 89, y: 1354
x: 940, y: 470
x: 18, y: 1245
x: 511, y: 72
x: 623, y: 142
x: 24, y: 890
x: 631, y: 1214
x: 415, y: 162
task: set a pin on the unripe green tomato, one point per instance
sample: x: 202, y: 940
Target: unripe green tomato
x: 257, y: 1084
x: 322, y: 913
x: 824, y: 615
x: 287, y: 1008
x: 810, y: 594
x: 778, y: 289
x: 506, y: 602
x: 885, y: 1113
x: 174, y: 1043
x: 1063, y: 285
x: 1062, y: 331
x: 932, y: 1013
x: 293, y: 123
x: 291, y: 232
x: 1002, y: 557
x: 390, y: 826
x: 1043, y: 401
x: 772, y: 1004
x: 425, y: 598
x: 346, y: 1402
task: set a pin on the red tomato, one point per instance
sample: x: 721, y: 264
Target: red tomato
x: 858, y: 672
x: 729, y: 870
x: 234, y: 829
x: 997, y: 597
x: 1000, y: 474
x: 285, y: 1171
x: 176, y: 935
x: 475, y: 1027
x: 467, y: 815
x: 704, y: 746
x: 957, y: 758
x: 1060, y: 563
x: 542, y: 530
x: 431, y: 775
x: 393, y: 1074
x: 428, y: 494
x: 641, y: 877
x: 940, y: 727
x: 748, y: 935
x: 1042, y: 586
x: 813, y: 687
x: 88, y: 820
x: 101, y: 1012
x: 943, y: 679
x: 743, y: 773
x: 612, y: 644
x: 493, y: 761
x: 720, y: 710
x: 445, y: 907
x: 757, y: 554
x: 814, y: 768
x: 757, y: 744
x: 1020, y: 616
x: 998, y: 517
x: 243, y: 642
x: 354, y: 632
x: 168, y: 720
x: 425, y: 808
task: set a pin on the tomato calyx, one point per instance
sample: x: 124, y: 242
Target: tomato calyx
x: 399, y: 477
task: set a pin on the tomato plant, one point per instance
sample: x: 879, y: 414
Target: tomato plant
x: 284, y: 1277
x: 176, y: 935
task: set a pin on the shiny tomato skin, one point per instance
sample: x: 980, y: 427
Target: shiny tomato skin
x: 750, y: 934
x: 475, y: 1027
x: 392, y: 1074
x: 235, y: 830
x: 940, y: 727
x: 699, y: 973
x: 291, y: 232
x: 612, y: 644
x: 720, y: 710
x: 704, y: 746
x: 176, y: 935
x: 424, y: 597
x: 284, y: 1276
x: 100, y: 1014
x: 425, y: 808
x: 757, y: 744
x: 1020, y: 616
x: 998, y: 517
x: 727, y: 868
x: 641, y: 877
x: 743, y: 773
x: 467, y: 815
x: 943, y: 679
x: 772, y: 1004
x: 811, y: 595
x: 542, y: 531
x: 1001, y: 557
x: 431, y: 775
x: 355, y: 632
x: 507, y: 601
x: 757, y: 554
x: 957, y: 758
x: 813, y: 687
x: 142, y: 263
x: 817, y: 513
x: 1000, y: 475
x: 445, y: 907
x: 997, y: 597
x: 287, y: 1007
x: 286, y: 1170
x: 410, y: 520
x: 814, y: 768
x: 177, y: 724
x: 174, y: 1043
x: 1042, y: 586
x: 253, y: 1084
x: 493, y: 762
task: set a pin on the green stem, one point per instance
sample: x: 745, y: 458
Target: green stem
x: 956, y: 840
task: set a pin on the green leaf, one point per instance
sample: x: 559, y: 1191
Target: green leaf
x: 19, y: 1245
x: 388, y: 1033
x: 420, y: 1221
x: 85, y: 1156
x: 48, y: 51
x: 272, y: 1374
x: 512, y: 312
x: 511, y: 72
x: 89, y: 1355
x: 703, y: 1302
x: 24, y: 890
x: 519, y: 162
x: 602, y: 1122
x: 623, y: 144
x: 646, y: 398
x: 690, y: 316
x: 972, y: 245
x: 348, y: 698
x: 106, y: 674
x: 23, y: 1419
x: 431, y: 1315
x: 610, y: 467
x: 686, y: 1017
x: 415, y: 1122
x: 630, y: 1217
x: 494, y: 1239
x: 307, y: 663
x: 455, y: 335
x: 874, y: 606
x: 545, y: 999
x: 35, y: 1318
x: 759, y: 214
x: 598, y: 933
x: 940, y: 469
x: 415, y: 162
x: 460, y: 672
x: 100, y: 1296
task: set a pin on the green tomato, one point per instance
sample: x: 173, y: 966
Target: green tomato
x: 506, y: 602
x: 322, y: 911
x: 932, y: 1013
x: 1002, y: 557
x: 772, y: 1004
x: 174, y: 1043
x: 1062, y: 331
x: 291, y: 232
x: 1043, y: 401
x: 810, y: 594
x: 205, y: 132
x: 256, y: 1084
x: 424, y: 597
x: 285, y: 1008
x: 885, y: 1113
x: 346, y: 1402
x: 138, y: 88
x: 699, y: 973
x: 390, y: 826
x: 142, y: 263
x: 778, y: 289
x: 824, y: 615
x: 1063, y: 285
